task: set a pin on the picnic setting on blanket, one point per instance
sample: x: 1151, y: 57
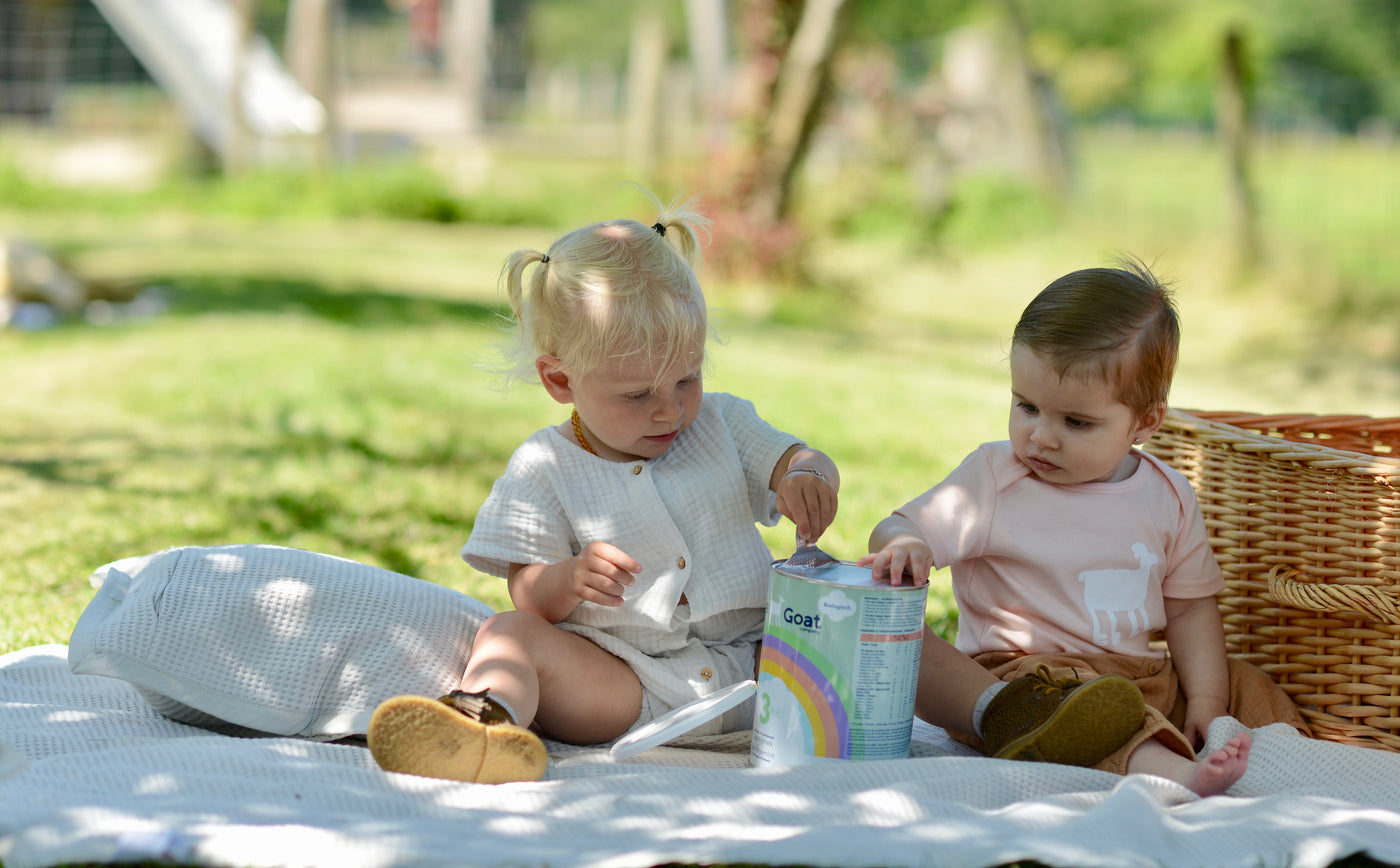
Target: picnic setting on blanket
x: 211, y: 705
x: 1176, y: 642
x: 764, y: 434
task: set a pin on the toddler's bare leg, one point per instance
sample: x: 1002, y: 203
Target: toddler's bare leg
x: 576, y: 691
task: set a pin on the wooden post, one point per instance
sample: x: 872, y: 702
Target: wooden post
x: 1046, y: 137
x: 238, y: 141
x: 468, y: 60
x: 705, y: 26
x: 646, y: 71
x: 312, y: 58
x: 1232, y: 121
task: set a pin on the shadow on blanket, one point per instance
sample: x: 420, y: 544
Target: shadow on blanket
x: 92, y: 774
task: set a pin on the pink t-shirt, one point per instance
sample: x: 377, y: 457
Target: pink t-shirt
x: 1041, y: 568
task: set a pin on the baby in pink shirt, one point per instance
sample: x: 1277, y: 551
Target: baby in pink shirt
x: 1070, y: 550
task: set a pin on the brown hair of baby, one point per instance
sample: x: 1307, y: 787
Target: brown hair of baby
x: 1117, y: 325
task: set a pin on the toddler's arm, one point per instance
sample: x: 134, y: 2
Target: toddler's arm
x: 898, y: 548
x: 600, y: 573
x: 806, y: 481
x: 1196, y: 641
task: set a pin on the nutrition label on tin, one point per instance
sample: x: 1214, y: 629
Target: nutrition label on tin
x: 888, y: 670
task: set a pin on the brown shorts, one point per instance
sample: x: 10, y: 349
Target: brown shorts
x: 1255, y: 700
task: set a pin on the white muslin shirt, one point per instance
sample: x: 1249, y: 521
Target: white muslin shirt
x: 688, y: 517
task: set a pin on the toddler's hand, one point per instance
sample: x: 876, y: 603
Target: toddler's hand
x: 809, y: 501
x: 601, y: 573
x: 903, y: 557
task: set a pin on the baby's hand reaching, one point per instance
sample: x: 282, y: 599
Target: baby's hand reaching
x: 601, y: 573
x: 903, y: 557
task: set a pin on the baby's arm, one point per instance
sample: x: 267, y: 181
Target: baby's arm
x: 806, y: 481
x: 599, y: 574
x: 1196, y: 640
x: 898, y: 549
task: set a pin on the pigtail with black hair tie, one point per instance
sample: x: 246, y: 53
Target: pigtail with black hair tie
x: 544, y: 260
x: 660, y: 230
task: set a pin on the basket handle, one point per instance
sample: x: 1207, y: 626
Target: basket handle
x: 1377, y: 603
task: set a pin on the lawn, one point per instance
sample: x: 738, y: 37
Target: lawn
x: 326, y: 384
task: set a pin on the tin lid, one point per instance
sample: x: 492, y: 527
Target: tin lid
x: 679, y: 721
x: 843, y: 573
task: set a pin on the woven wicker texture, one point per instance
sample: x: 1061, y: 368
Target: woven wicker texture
x: 1304, y: 517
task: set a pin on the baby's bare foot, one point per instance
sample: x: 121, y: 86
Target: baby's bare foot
x: 1218, y: 771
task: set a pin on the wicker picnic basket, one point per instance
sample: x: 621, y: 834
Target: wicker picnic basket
x: 1304, y: 517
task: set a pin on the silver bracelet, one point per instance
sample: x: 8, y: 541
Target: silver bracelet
x: 812, y: 470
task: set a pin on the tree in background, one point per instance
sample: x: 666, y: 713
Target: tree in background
x: 788, y: 51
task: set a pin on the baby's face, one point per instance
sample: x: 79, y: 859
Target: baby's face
x: 633, y: 409
x: 1068, y: 430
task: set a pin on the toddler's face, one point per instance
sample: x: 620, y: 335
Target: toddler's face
x: 1070, y: 430
x: 634, y: 410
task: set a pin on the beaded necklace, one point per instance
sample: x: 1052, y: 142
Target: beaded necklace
x: 578, y: 432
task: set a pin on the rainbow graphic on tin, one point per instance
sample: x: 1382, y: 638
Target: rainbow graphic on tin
x: 816, y: 685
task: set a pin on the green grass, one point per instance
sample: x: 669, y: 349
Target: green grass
x: 320, y: 383
x: 356, y: 418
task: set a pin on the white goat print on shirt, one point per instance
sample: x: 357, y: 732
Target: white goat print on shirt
x: 1118, y: 591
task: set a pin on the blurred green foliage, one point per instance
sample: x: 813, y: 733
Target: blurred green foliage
x: 405, y: 189
x: 1335, y: 63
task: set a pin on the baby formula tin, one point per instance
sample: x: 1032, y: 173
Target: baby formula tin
x: 838, y: 668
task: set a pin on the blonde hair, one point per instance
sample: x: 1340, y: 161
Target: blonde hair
x: 1117, y: 324
x: 616, y: 289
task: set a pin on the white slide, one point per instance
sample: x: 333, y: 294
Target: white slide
x: 187, y: 46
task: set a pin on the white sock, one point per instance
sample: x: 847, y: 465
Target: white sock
x: 503, y: 704
x: 980, y: 707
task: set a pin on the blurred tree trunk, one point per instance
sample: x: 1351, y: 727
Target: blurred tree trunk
x: 803, y: 78
x: 1036, y: 114
x: 791, y: 47
x: 1232, y: 120
x: 238, y: 143
x: 468, y: 57
x: 706, y: 27
x: 312, y: 58
x: 646, y: 72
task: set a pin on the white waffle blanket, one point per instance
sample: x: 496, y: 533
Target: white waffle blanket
x: 89, y: 773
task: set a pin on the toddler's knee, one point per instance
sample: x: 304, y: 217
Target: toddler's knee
x: 512, y: 622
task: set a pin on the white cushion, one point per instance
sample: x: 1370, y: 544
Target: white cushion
x: 271, y: 639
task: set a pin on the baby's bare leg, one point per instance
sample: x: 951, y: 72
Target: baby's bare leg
x: 576, y: 691
x: 1210, y: 775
